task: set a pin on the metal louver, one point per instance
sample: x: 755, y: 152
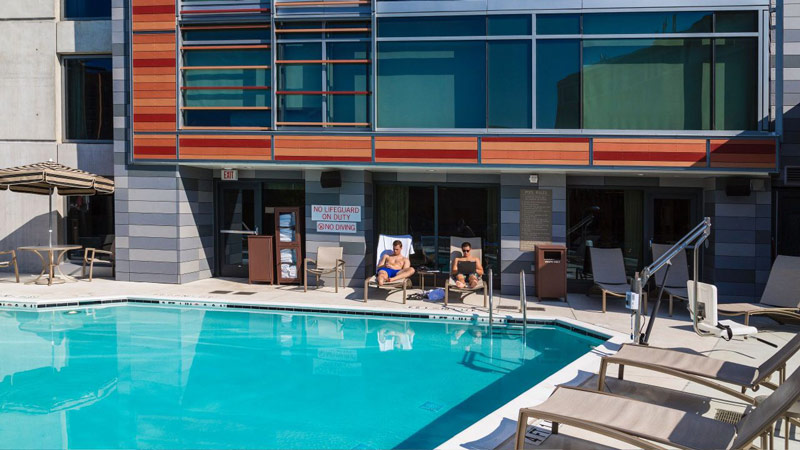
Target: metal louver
x: 791, y: 175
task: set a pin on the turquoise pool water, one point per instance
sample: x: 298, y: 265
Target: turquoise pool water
x: 155, y: 377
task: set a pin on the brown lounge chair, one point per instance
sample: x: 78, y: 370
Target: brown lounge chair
x: 11, y: 262
x: 703, y: 369
x: 329, y: 260
x: 455, y: 252
x: 646, y: 425
x: 780, y: 297
x: 677, y: 277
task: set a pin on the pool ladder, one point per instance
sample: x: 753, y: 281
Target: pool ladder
x: 523, y: 299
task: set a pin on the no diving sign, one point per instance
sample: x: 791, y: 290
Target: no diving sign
x: 336, y: 227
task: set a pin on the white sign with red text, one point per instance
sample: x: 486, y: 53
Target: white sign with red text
x: 336, y: 227
x: 336, y: 213
x: 229, y: 175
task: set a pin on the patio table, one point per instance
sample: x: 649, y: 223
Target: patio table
x: 52, y: 262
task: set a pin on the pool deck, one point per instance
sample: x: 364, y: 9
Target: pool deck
x: 673, y: 332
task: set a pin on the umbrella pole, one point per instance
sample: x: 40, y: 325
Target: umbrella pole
x: 51, y: 218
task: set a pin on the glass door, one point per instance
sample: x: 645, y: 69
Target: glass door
x: 238, y: 209
x: 669, y: 216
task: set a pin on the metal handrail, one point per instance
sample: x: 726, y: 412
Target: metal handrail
x: 693, y: 240
x: 523, y: 299
x: 491, y: 297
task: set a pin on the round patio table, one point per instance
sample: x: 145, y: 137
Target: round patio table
x: 51, y: 262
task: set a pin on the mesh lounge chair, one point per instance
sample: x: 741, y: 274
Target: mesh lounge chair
x: 455, y: 252
x: 645, y: 425
x: 676, y: 278
x: 608, y: 270
x: 11, y: 262
x: 780, y: 297
x: 329, y: 260
x: 385, y: 248
x: 703, y: 369
x: 103, y: 255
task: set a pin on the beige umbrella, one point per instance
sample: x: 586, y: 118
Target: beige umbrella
x: 44, y: 178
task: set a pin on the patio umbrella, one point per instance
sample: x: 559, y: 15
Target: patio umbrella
x: 44, y: 178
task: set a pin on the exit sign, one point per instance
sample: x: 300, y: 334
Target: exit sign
x: 230, y: 174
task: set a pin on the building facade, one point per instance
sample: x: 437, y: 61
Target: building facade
x: 590, y: 123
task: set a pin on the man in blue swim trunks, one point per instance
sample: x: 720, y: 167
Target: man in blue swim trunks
x: 395, y: 266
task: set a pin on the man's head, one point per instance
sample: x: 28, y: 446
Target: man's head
x: 465, y: 248
x: 397, y: 247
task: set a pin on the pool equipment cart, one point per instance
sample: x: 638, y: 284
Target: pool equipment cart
x: 693, y: 240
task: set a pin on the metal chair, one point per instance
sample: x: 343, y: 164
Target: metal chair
x: 329, y: 260
x: 11, y: 262
x: 92, y: 256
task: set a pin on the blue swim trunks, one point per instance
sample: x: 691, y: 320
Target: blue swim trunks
x: 389, y: 272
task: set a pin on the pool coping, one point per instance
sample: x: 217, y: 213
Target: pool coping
x: 489, y: 432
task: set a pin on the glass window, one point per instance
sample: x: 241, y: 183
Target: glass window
x: 88, y: 99
x: 646, y: 84
x: 226, y: 78
x: 87, y: 9
x: 647, y: 23
x: 509, y: 84
x: 735, y: 81
x: 235, y: 34
x: 558, y: 24
x: 432, y: 84
x: 301, y: 77
x: 226, y: 57
x: 558, y: 83
x: 350, y: 104
x: 509, y: 25
x: 432, y: 26
x: 90, y: 222
x: 226, y: 118
x: 736, y: 21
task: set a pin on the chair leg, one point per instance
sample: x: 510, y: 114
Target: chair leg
x: 91, y: 270
x: 405, y: 284
x: 366, y: 288
x: 670, y: 306
x: 16, y: 269
x: 522, y: 424
x: 335, y: 282
x: 604, y: 302
x: 305, y: 282
x: 485, y: 297
x: 446, y: 292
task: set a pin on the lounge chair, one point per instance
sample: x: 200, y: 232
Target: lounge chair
x: 608, y: 271
x: 780, y: 298
x: 11, y: 262
x: 676, y: 278
x: 455, y: 252
x: 329, y: 260
x: 646, y: 425
x: 103, y: 256
x: 703, y: 369
x: 385, y: 248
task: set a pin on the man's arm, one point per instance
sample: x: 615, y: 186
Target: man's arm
x: 454, y: 269
x: 406, y: 263
x: 383, y: 261
x: 479, y: 267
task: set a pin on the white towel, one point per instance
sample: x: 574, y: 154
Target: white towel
x: 385, y: 246
x: 286, y: 234
x: 287, y: 256
x: 288, y: 271
x: 286, y: 220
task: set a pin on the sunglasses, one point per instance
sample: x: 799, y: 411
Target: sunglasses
x: 465, y: 250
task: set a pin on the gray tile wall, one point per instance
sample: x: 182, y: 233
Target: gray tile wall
x: 790, y: 148
x: 738, y: 258
x: 359, y: 251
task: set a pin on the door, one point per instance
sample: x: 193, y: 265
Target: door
x: 238, y: 210
x: 669, y: 217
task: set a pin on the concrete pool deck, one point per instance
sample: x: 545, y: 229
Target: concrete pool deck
x: 673, y: 332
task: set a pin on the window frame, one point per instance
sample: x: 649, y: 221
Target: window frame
x: 83, y: 19
x: 64, y: 106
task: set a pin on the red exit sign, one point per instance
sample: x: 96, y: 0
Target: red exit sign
x: 230, y: 175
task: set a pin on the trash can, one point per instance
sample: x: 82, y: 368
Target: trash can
x: 550, y: 262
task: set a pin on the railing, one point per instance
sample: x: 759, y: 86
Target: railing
x: 523, y: 302
x: 692, y: 240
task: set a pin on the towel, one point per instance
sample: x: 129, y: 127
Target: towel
x: 288, y: 271
x: 286, y: 220
x: 286, y: 234
x: 287, y: 256
x: 385, y: 246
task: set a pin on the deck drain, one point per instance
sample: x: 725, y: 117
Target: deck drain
x: 220, y: 292
x: 244, y: 293
x: 724, y: 415
x: 539, y: 431
x: 431, y: 406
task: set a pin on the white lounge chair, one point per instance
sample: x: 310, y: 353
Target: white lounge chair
x: 780, y: 298
x: 385, y: 248
x: 455, y: 252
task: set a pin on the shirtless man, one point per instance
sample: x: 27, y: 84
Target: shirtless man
x: 395, y: 266
x: 461, y: 277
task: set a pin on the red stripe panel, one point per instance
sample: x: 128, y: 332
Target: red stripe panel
x: 649, y: 156
x: 223, y: 88
x: 154, y: 118
x: 536, y: 139
x: 165, y: 9
x: 434, y: 153
x: 322, y: 158
x: 153, y: 63
x: 323, y: 92
x: 743, y: 148
x: 162, y: 151
x: 251, y: 143
x: 214, y: 11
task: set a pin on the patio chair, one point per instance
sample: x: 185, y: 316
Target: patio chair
x: 455, y: 252
x: 676, y: 278
x: 102, y: 256
x: 642, y: 424
x: 702, y: 369
x: 780, y: 298
x: 329, y: 260
x: 11, y: 262
x: 608, y: 271
x: 385, y: 248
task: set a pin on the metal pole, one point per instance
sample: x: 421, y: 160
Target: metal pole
x: 491, y: 300
x: 637, y: 322
x: 50, y: 216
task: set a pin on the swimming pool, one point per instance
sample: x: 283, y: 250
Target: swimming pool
x: 141, y: 376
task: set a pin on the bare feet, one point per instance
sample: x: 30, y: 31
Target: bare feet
x: 473, y: 282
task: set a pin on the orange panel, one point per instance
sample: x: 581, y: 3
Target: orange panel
x: 535, y: 150
x: 323, y: 148
x: 154, y: 146
x: 152, y: 2
x: 649, y: 152
x: 742, y: 153
x: 153, y: 38
x: 426, y: 149
x: 153, y: 71
x: 153, y: 26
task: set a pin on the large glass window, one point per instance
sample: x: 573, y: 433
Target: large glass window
x: 735, y: 75
x: 647, y: 84
x: 509, y: 84
x: 88, y: 98
x: 647, y: 23
x: 87, y: 9
x: 226, y: 76
x: 558, y: 83
x: 432, y: 84
x: 90, y: 222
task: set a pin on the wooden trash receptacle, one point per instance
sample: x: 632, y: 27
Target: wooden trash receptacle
x: 551, y: 271
x: 260, y: 262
